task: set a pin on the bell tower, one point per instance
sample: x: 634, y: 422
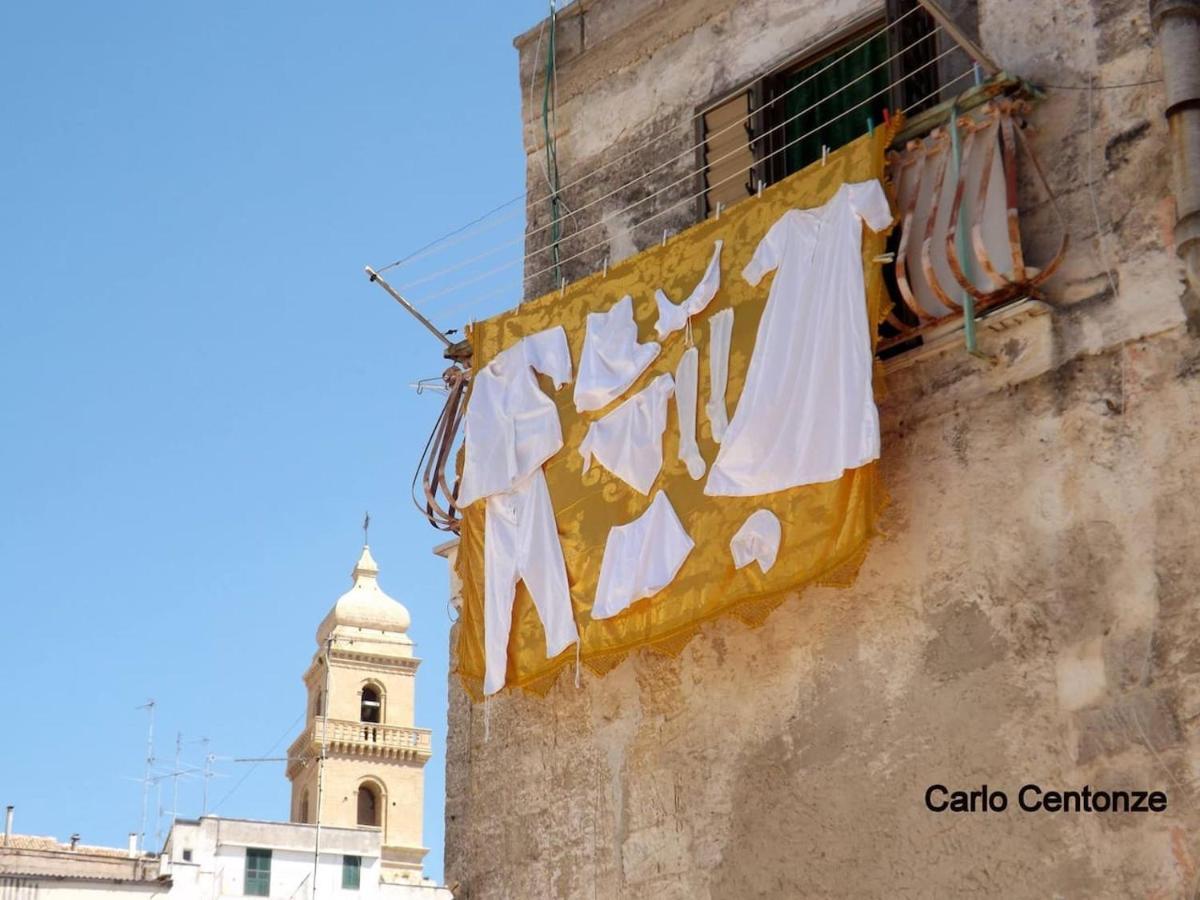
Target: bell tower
x: 360, y: 760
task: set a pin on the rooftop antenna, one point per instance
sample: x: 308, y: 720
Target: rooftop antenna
x: 175, y: 779
x: 208, y: 773
x: 149, y: 707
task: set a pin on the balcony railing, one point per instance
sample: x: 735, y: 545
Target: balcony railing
x: 369, y: 738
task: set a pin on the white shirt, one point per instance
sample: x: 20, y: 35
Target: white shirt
x: 628, y: 441
x: 612, y: 357
x: 672, y: 316
x: 511, y: 427
x: 806, y: 413
x: 641, y: 558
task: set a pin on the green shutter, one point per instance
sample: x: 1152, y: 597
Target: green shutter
x: 258, y: 873
x: 351, y: 872
x: 830, y: 106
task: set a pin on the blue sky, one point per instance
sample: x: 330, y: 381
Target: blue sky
x: 201, y: 391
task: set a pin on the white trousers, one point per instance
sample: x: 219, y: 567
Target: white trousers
x: 520, y: 543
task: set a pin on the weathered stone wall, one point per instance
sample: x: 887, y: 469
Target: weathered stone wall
x: 1030, y: 616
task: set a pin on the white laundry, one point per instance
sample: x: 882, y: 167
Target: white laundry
x: 520, y: 543
x: 640, y: 558
x: 720, y: 332
x: 671, y: 316
x: 612, y: 358
x: 628, y: 441
x: 511, y: 427
x: 687, y: 374
x: 757, y: 540
x: 806, y: 413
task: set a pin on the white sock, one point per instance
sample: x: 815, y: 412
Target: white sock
x: 720, y: 330
x: 687, y: 376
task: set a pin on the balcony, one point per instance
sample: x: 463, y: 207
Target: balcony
x: 345, y: 736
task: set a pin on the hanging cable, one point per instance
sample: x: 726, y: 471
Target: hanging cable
x: 657, y: 168
x: 479, y: 299
x: 605, y: 220
x: 633, y: 151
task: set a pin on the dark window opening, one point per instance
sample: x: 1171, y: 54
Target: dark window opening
x: 368, y: 806
x: 370, y: 708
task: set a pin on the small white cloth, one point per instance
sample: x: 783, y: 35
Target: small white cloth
x: 671, y: 316
x: 628, y: 441
x: 641, y: 558
x: 687, y: 376
x: 612, y: 357
x: 720, y: 332
x: 520, y: 543
x: 757, y: 540
x: 511, y: 427
x: 807, y: 413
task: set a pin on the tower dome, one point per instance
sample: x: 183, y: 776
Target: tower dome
x: 365, y: 605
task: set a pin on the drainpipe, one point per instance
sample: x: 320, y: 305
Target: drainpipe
x: 1177, y: 24
x: 7, y: 824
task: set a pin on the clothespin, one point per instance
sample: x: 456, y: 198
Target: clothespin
x: 664, y: 240
x: 605, y: 275
x: 760, y: 187
x: 562, y: 288
x: 824, y: 154
x: 720, y: 206
x: 687, y: 334
x: 885, y: 258
x: 870, y: 125
x: 887, y: 119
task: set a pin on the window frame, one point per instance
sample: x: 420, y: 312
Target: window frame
x: 257, y: 879
x: 351, y: 872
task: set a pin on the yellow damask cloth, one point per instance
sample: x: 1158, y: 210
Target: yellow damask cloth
x: 826, y: 527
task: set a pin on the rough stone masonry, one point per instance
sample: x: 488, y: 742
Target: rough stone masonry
x: 1030, y: 615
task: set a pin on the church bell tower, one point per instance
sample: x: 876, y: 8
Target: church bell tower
x: 360, y: 760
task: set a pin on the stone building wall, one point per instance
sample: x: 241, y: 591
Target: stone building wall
x: 1031, y: 613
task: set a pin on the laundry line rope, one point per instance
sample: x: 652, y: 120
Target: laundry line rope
x: 426, y: 249
x: 523, y: 239
x: 688, y: 176
x: 475, y: 301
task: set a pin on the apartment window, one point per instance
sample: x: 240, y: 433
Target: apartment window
x: 258, y: 872
x: 351, y: 872
x: 827, y: 97
x: 187, y: 855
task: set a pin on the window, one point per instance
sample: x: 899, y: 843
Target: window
x: 304, y: 807
x: 319, y: 704
x: 779, y: 123
x: 187, y: 855
x: 368, y: 805
x: 258, y: 873
x: 351, y: 872
x: 370, y: 708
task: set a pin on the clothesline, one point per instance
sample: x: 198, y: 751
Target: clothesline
x: 691, y: 197
x: 424, y: 250
x: 524, y: 239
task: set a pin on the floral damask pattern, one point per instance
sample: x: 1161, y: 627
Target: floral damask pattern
x: 826, y: 527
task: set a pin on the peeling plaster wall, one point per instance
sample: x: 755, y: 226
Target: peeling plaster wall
x: 1031, y: 614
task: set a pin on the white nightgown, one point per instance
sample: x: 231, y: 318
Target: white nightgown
x: 807, y: 413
